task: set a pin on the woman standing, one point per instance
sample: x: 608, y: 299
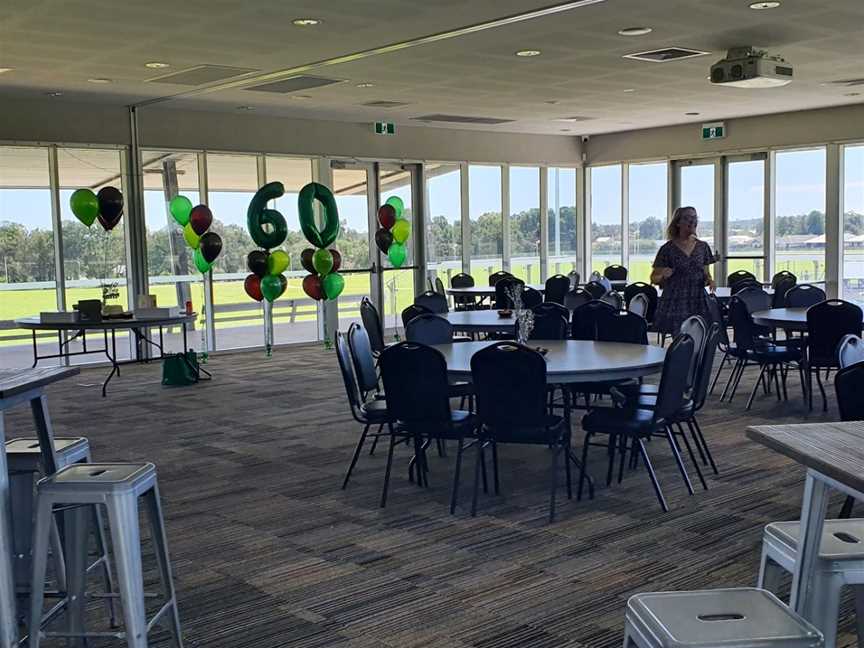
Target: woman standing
x: 681, y: 270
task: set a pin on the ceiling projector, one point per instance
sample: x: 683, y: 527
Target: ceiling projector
x: 747, y: 67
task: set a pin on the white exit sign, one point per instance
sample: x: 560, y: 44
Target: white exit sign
x: 715, y: 130
x: 385, y: 128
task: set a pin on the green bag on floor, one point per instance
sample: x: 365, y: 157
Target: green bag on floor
x: 180, y: 369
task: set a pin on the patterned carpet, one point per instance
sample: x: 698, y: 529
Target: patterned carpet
x: 268, y: 551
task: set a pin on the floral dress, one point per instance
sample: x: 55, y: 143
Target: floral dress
x: 683, y: 292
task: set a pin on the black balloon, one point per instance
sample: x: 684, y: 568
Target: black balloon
x: 210, y: 246
x: 306, y: 261
x: 284, y: 283
x: 110, y: 203
x: 383, y: 239
x: 256, y: 262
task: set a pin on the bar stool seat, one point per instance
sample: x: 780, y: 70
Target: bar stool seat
x: 23, y: 454
x: 722, y: 618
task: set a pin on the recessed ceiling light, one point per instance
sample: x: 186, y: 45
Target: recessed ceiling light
x: 99, y: 80
x: 366, y: 85
x: 551, y: 102
x: 565, y: 130
x: 771, y: 4
x: 245, y: 107
x: 629, y: 90
x: 852, y: 94
x: 54, y: 94
x: 691, y: 113
x: 295, y: 96
x: 305, y: 22
x: 157, y: 65
x: 5, y: 70
x: 527, y: 53
x: 634, y: 31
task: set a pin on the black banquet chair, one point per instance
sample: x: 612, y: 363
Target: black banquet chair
x: 502, y: 299
x: 557, y: 287
x: 549, y: 325
x: 495, y: 277
x: 463, y: 302
x: 531, y: 297
x: 412, y: 311
x: 372, y: 323
x: 827, y: 323
x: 621, y: 326
x: 418, y: 405
x: 848, y: 387
x: 429, y: 328
x: 639, y: 305
x: 583, y: 322
x: 640, y: 287
x: 510, y: 384
x: 364, y: 361
x: 576, y: 297
x: 850, y: 351
x: 784, y: 276
x: 629, y: 428
x: 739, y: 277
x: 804, y: 295
x: 595, y: 289
x: 432, y: 300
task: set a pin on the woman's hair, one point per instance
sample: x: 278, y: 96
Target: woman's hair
x: 677, y: 215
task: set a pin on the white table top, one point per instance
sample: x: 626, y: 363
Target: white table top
x: 794, y: 319
x: 571, y: 361
x: 481, y: 321
x: 486, y: 291
x: 34, y: 323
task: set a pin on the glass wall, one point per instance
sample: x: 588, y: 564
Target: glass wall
x: 646, y: 210
x: 800, y: 213
x: 524, y: 223
x: 745, y: 196
x: 349, y: 187
x: 27, y: 285
x: 696, y: 183
x: 484, y: 211
x: 444, y: 227
x: 398, y: 283
x: 853, y: 223
x: 605, y: 216
x: 561, y: 199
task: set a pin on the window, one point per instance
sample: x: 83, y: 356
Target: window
x: 697, y: 190
x: 605, y: 214
x: 393, y: 180
x: 646, y: 209
x: 745, y: 191
x: 561, y: 197
x: 27, y: 284
x: 524, y: 223
x: 852, y: 280
x: 484, y: 211
x: 800, y: 213
x: 444, y: 229
x: 349, y: 187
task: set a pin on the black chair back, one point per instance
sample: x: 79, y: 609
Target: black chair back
x: 416, y: 387
x: 439, y: 287
x: 783, y: 286
x: 576, y: 297
x: 613, y: 299
x: 743, y: 328
x: 510, y: 386
x: 433, y: 301
x: 621, y: 326
x: 495, y: 277
x: 699, y: 393
x: 549, y: 325
x: 716, y: 314
x: 343, y: 355
x: 364, y: 361
x: 804, y: 295
x: 429, y: 329
x: 743, y: 284
x: 531, y: 297
x: 583, y: 324
x: 502, y: 300
x: 696, y: 328
x: 850, y: 351
x: 412, y: 311
x: 556, y: 288
x: 849, y: 385
x: 639, y: 305
x: 827, y: 323
x: 615, y: 272
x: 739, y: 276
x: 671, y: 393
x: 462, y: 280
x: 595, y: 289
x: 640, y: 287
x: 574, y: 278
x: 755, y: 297
x: 372, y: 323
x: 783, y: 276
x: 551, y: 307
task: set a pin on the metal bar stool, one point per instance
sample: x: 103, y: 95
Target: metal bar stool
x: 722, y: 618
x: 117, y: 487
x: 24, y: 460
x: 841, y: 564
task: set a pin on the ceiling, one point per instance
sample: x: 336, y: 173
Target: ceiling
x: 56, y: 46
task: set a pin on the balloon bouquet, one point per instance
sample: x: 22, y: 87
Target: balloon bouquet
x: 107, y: 207
x: 322, y: 264
x: 394, y: 231
x: 195, y: 222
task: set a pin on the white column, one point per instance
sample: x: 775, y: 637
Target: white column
x: 465, y: 217
x: 544, y: 223
x: 583, y: 229
x: 833, y: 221
x: 625, y: 215
x: 505, y: 217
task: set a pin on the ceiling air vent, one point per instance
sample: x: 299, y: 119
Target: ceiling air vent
x: 462, y: 119
x: 848, y: 83
x: 575, y: 118
x: 666, y: 54
x: 293, y: 84
x: 201, y: 75
x: 384, y: 104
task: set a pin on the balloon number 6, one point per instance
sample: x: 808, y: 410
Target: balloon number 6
x: 259, y: 217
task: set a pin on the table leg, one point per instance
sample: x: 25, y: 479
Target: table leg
x: 35, y: 349
x: 115, y: 368
x: 813, y: 510
x: 8, y: 623
x: 571, y: 456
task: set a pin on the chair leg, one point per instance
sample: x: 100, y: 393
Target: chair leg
x: 387, y: 469
x: 454, y: 495
x: 719, y: 369
x: 809, y: 387
x: 610, y: 452
x: 478, y: 461
x: 696, y: 442
x: 846, y: 511
x: 692, y: 456
x: 656, y: 484
x: 674, y: 446
x: 495, y: 468
x: 760, y: 379
x: 553, y: 478
x: 374, y: 443
x: 734, y: 372
x: 693, y: 424
x: 623, y: 458
x: 355, y: 456
x: 567, y: 470
x: 584, y: 466
x: 738, y: 379
x: 822, y: 390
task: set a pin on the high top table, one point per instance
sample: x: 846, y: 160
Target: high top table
x: 18, y: 387
x: 833, y: 454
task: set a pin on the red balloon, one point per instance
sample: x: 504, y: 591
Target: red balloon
x: 337, y: 260
x: 387, y: 216
x: 306, y: 260
x: 312, y: 287
x: 200, y: 219
x: 252, y: 286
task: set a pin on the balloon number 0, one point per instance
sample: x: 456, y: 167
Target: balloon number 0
x: 323, y: 237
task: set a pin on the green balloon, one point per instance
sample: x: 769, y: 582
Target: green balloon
x: 271, y: 287
x: 258, y: 215
x: 398, y: 205
x: 333, y: 285
x: 324, y: 237
x: 322, y: 261
x: 200, y: 262
x: 192, y: 239
x: 85, y: 205
x: 397, y: 255
x: 180, y: 208
x: 401, y: 230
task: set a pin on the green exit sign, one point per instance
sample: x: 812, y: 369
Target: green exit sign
x: 717, y: 130
x: 385, y: 128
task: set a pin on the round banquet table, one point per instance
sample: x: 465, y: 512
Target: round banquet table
x: 485, y: 291
x: 792, y: 319
x: 480, y: 321
x: 570, y: 361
